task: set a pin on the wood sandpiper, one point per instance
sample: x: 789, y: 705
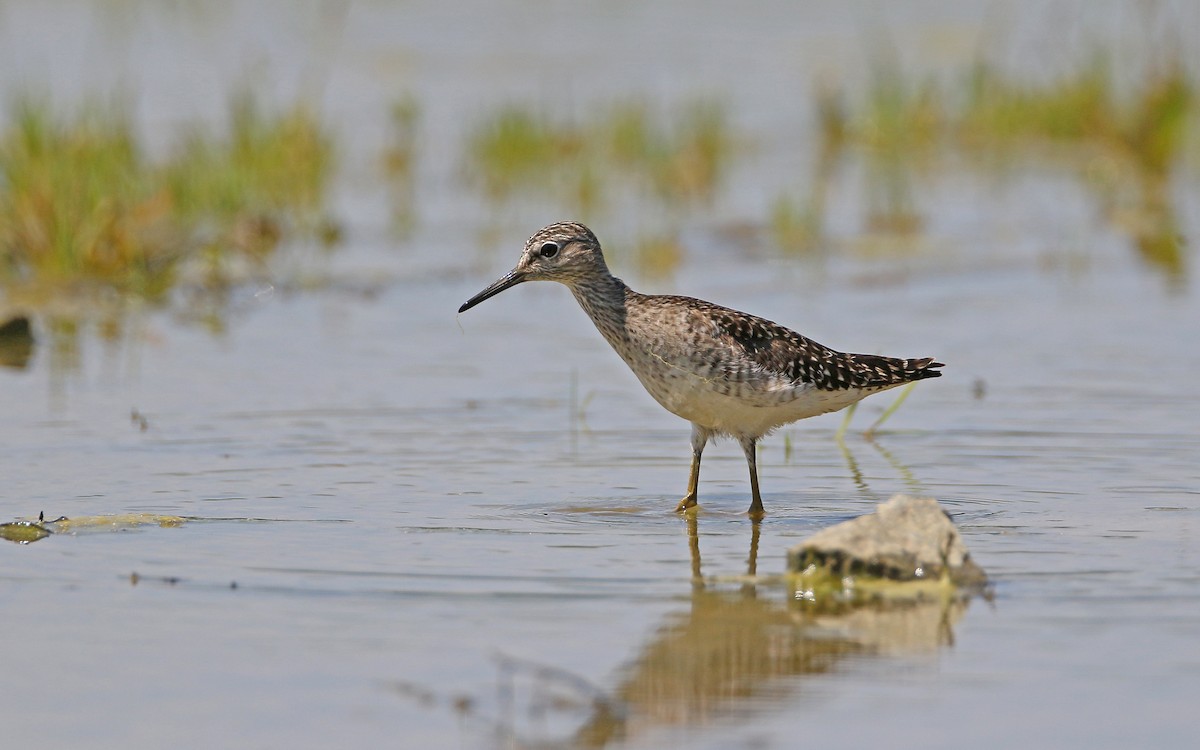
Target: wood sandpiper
x: 727, y: 372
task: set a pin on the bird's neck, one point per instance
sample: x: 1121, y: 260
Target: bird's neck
x: 603, y: 298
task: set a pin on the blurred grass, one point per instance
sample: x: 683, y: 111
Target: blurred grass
x: 1144, y: 127
x: 517, y: 148
x: 987, y: 112
x: 681, y: 159
x: 1123, y: 143
x: 81, y: 202
x: 1122, y: 139
x: 266, y: 176
x: 78, y: 199
x: 675, y: 162
x: 400, y: 163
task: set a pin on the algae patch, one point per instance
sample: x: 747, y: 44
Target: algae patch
x: 24, y: 531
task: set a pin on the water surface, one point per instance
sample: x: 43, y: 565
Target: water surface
x: 429, y: 530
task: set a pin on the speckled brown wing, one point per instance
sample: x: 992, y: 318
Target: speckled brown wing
x: 800, y: 359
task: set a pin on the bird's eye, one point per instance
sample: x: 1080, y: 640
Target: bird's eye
x: 548, y: 250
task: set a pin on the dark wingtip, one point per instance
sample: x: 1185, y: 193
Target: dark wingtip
x: 928, y: 368
x: 462, y: 308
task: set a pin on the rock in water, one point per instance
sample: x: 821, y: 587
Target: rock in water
x: 905, y: 539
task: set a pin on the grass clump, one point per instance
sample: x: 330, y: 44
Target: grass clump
x: 1145, y: 126
x: 267, y: 176
x: 622, y: 157
x: 1122, y: 138
x: 1123, y: 142
x: 518, y: 148
x: 400, y: 163
x: 679, y: 160
x: 81, y: 202
x: 1084, y: 111
x: 683, y: 161
x: 795, y: 228
x: 78, y: 199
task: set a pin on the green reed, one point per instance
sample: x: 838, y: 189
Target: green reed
x: 80, y: 201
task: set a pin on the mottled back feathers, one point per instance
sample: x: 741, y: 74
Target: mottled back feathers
x: 800, y: 359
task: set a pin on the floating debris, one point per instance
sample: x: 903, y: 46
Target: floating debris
x: 24, y: 531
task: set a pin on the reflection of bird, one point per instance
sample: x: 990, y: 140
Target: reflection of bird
x: 727, y: 372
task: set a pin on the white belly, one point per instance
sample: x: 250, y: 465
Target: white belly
x: 752, y: 412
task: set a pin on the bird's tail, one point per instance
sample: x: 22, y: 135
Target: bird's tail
x: 874, y: 371
x: 919, y: 369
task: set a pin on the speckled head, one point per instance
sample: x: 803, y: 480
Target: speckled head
x: 566, y: 252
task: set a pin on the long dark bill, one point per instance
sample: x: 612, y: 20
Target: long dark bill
x: 510, y: 279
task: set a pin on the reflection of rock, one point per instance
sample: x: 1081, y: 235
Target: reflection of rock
x: 726, y: 648
x: 16, y: 342
x: 899, y: 627
x: 905, y: 539
x: 734, y: 651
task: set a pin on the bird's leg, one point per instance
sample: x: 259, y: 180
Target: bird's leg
x: 756, y: 506
x: 689, y: 500
x: 699, y: 440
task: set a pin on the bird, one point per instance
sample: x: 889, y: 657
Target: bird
x: 729, y: 373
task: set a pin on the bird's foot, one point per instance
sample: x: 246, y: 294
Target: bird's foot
x: 689, y: 501
x: 756, y: 511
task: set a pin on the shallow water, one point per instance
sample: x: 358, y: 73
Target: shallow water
x: 428, y: 530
